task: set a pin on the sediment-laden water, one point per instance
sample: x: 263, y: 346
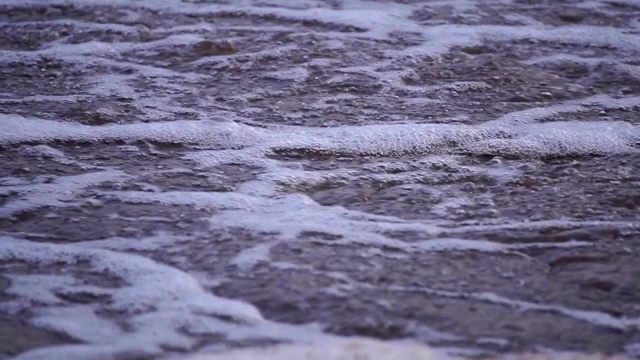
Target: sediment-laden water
x: 183, y: 177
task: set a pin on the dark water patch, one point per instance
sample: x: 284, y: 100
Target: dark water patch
x: 44, y: 76
x: 97, y: 219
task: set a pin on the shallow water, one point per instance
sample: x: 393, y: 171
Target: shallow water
x: 191, y: 176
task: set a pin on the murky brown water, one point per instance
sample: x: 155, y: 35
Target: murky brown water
x: 465, y: 174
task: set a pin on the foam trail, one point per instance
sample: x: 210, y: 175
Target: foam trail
x: 159, y: 303
x: 352, y: 349
x: 16, y: 129
x: 154, y: 284
x: 527, y: 140
x: 367, y: 349
x: 287, y: 215
x: 592, y: 317
x: 61, y: 192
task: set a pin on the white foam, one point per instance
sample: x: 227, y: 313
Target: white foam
x: 292, y: 215
x: 43, y: 151
x: 287, y: 215
x: 151, y: 285
x: 380, y: 20
x: 31, y: 290
x: 593, y: 317
x: 249, y: 258
x: 143, y: 244
x: 156, y: 302
x: 61, y: 192
x: 52, y: 154
x: 367, y: 349
x: 16, y: 129
x: 565, y: 224
x: 12, y: 181
x: 528, y: 140
x: 564, y: 139
x: 65, y: 320
x: 534, y: 115
x: 297, y: 74
x: 336, y: 350
x: 449, y: 244
x: 44, y: 98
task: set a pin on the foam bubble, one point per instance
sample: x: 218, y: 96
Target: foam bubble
x: 558, y: 138
x: 60, y: 192
x: 593, y: 317
x: 564, y: 139
x: 155, y: 301
x: 353, y: 349
x: 152, y: 285
x: 292, y: 215
x: 16, y: 129
x: 341, y: 349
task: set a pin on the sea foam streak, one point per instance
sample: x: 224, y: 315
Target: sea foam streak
x: 157, y: 302
x: 525, y: 140
x: 363, y: 349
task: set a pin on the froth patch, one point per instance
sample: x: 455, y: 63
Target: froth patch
x: 625, y: 324
x: 564, y: 139
x: 526, y: 139
x: 157, y: 301
x: 61, y: 192
x: 17, y: 129
x: 356, y: 349
x: 292, y: 215
x: 364, y: 349
x: 150, y: 285
x: 134, y: 306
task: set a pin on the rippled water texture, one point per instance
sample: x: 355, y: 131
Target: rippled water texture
x: 191, y: 177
